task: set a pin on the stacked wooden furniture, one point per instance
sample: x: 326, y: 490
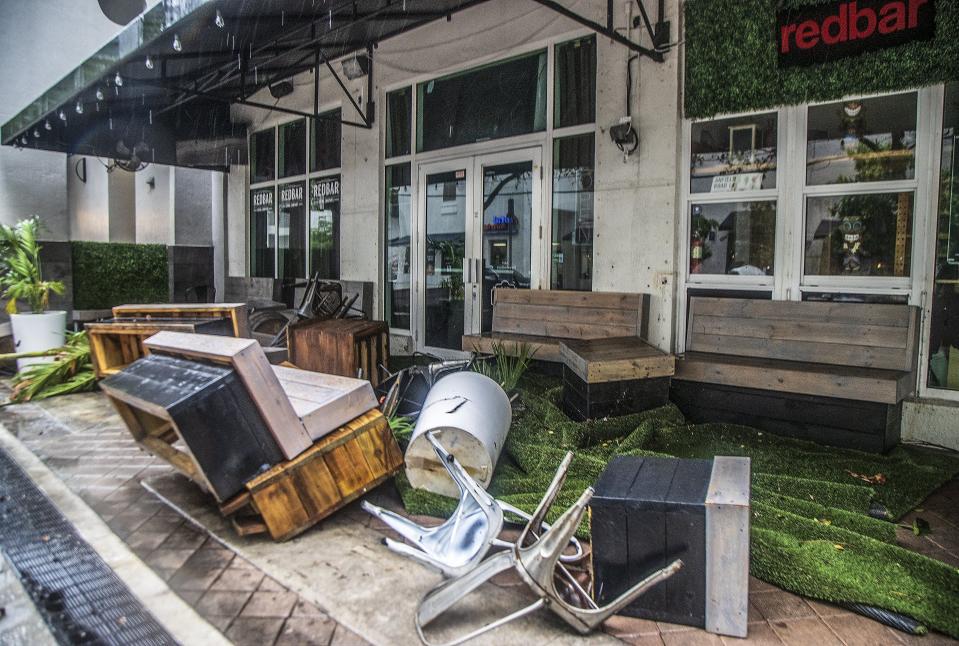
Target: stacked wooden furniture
x: 347, y: 347
x: 835, y: 373
x: 236, y: 312
x: 279, y: 448
x: 118, y: 342
x: 545, y: 318
x: 613, y: 376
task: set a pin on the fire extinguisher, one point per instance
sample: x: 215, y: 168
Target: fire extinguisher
x: 695, y: 255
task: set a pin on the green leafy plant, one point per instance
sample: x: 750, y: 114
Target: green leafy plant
x: 402, y: 428
x: 113, y: 273
x: 71, y: 371
x: 22, y: 277
x: 508, y: 365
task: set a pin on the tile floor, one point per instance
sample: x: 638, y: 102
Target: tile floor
x: 83, y: 441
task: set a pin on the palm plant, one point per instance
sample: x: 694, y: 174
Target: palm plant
x: 21, y: 276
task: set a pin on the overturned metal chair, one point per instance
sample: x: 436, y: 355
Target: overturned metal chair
x: 537, y: 561
x: 459, y: 544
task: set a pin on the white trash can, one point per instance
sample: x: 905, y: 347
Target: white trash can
x: 471, y: 415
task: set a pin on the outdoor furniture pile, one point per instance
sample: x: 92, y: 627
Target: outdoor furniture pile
x: 608, y: 369
x: 116, y: 343
x: 347, y: 347
x: 278, y: 448
x: 831, y: 372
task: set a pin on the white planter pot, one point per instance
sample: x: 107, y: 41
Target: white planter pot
x: 38, y: 332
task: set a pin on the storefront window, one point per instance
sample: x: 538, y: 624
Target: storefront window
x: 502, y: 99
x: 398, y: 252
x: 291, y: 231
x: 732, y: 155
x: 325, y: 138
x: 866, y: 140
x: 325, y: 227
x: 859, y: 235
x: 575, y: 83
x: 399, y: 115
x: 944, y: 320
x: 262, y: 157
x: 572, y: 243
x: 262, y: 232
x: 734, y: 238
x: 292, y: 154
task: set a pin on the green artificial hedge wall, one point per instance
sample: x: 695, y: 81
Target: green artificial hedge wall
x: 732, y: 66
x: 112, y: 273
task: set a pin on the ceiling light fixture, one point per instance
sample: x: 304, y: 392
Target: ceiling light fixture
x: 148, y: 62
x: 219, y: 20
x: 356, y: 66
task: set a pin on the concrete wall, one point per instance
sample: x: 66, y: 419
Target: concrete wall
x: 122, y: 204
x: 88, y: 202
x: 634, y: 201
x: 42, y: 42
x: 154, y: 206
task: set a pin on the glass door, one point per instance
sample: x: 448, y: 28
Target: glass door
x: 508, y: 203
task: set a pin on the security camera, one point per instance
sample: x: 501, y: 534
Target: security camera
x: 624, y: 136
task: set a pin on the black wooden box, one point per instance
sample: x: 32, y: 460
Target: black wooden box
x: 584, y: 401
x: 646, y: 512
x: 169, y: 400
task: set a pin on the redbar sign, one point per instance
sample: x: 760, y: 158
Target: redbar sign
x: 821, y: 33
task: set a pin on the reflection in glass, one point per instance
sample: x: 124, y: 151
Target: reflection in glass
x: 866, y: 140
x: 399, y: 108
x: 736, y: 238
x: 397, y: 292
x: 502, y: 99
x: 737, y: 154
x: 572, y: 244
x: 325, y: 227
x: 507, y: 231
x: 944, y: 321
x: 292, y: 154
x: 325, y: 138
x: 445, y: 249
x: 262, y: 158
x: 262, y: 232
x: 575, y: 83
x: 859, y: 235
x: 291, y: 229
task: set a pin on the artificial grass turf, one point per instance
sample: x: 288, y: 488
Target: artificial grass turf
x: 811, y: 532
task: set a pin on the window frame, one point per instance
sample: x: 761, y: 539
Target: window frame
x: 305, y: 178
x: 789, y: 281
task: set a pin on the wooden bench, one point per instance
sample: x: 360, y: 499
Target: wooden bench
x: 236, y: 312
x: 545, y: 318
x: 831, y: 372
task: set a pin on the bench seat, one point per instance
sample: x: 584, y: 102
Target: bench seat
x: 823, y: 380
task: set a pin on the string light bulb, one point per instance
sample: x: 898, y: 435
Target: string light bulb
x: 177, y: 45
x: 79, y: 107
x: 99, y: 94
x: 63, y: 115
x: 148, y: 62
x: 46, y: 125
x: 36, y: 133
x: 118, y: 80
x: 219, y: 20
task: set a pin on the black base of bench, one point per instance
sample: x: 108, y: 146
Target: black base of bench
x: 583, y: 401
x: 846, y: 423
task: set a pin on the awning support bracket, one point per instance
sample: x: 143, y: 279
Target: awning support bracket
x: 658, y: 33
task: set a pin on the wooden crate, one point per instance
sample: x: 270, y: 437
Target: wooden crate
x: 246, y: 357
x: 345, y: 347
x: 236, y: 312
x: 325, y: 402
x: 198, y: 417
x: 296, y: 494
x: 116, y: 343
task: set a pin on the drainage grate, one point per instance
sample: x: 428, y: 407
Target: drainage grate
x: 78, y: 595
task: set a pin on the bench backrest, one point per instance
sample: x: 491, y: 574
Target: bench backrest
x: 569, y: 315
x: 845, y: 334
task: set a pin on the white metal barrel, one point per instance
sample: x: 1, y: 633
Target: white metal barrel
x: 471, y: 415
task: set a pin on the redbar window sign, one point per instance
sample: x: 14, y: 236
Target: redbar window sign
x: 822, y: 33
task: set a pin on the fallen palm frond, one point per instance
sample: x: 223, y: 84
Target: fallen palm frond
x: 71, y: 371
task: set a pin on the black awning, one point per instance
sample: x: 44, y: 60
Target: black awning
x: 161, y: 90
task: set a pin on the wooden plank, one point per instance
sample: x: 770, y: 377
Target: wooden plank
x: 610, y: 300
x: 317, y: 488
x: 558, y: 329
x: 727, y: 547
x: 236, y: 503
x: 281, y: 508
x: 834, y: 354
x: 180, y: 460
x: 236, y: 312
x: 851, y: 313
x: 616, y: 359
x: 570, y: 314
x: 799, y: 330
x: 256, y: 373
x: 790, y: 377
x: 325, y: 402
x: 249, y: 526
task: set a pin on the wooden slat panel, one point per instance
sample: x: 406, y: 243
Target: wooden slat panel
x: 281, y: 508
x: 237, y: 312
x: 558, y: 329
x: 569, y: 314
x: 800, y: 330
x: 611, y: 300
x: 790, y: 376
x: 851, y: 313
x: 616, y: 359
x: 833, y: 354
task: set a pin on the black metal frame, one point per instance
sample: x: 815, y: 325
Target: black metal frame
x: 658, y: 33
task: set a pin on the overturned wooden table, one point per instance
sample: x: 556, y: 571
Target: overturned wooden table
x: 613, y: 376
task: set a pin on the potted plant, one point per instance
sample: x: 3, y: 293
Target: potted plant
x: 21, y: 279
